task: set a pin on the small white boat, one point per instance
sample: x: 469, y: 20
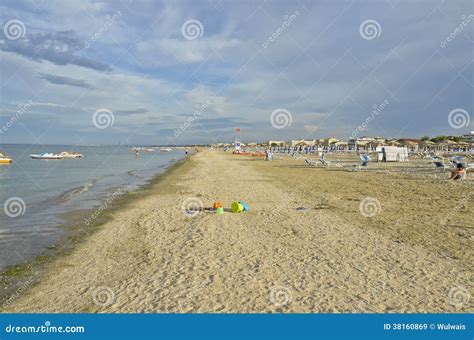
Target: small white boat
x: 141, y: 148
x: 70, y: 154
x: 165, y: 149
x: 46, y: 155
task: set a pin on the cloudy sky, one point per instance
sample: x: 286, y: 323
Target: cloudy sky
x: 175, y: 72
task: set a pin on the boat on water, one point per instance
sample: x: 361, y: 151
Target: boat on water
x: 165, y: 149
x: 46, y: 155
x: 141, y: 148
x: 4, y: 159
x: 71, y: 154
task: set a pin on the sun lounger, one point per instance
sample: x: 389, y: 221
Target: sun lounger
x: 324, y: 161
x: 461, y: 160
x: 364, y: 161
x: 438, y: 163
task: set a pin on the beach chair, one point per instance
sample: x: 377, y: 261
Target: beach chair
x: 438, y: 162
x: 324, y: 162
x: 461, y: 160
x: 310, y: 162
x: 364, y: 161
x: 455, y: 160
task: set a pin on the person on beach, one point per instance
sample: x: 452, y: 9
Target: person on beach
x: 459, y: 172
x: 268, y: 155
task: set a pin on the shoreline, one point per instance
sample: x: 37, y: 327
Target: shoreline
x: 304, y: 246
x: 17, y: 278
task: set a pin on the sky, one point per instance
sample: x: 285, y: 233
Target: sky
x: 186, y: 72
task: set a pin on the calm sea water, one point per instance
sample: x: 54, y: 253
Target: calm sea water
x: 41, y: 191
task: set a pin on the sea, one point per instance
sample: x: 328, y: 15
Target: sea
x: 36, y: 195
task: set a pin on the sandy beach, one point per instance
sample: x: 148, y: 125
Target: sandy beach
x: 315, y: 240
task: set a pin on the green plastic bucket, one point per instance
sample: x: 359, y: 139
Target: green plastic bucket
x: 236, y: 207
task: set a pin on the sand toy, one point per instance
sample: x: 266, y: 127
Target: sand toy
x: 236, y: 207
x: 245, y: 206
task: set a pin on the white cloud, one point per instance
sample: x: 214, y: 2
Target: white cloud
x: 319, y: 68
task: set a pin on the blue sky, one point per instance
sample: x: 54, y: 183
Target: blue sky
x: 323, y: 65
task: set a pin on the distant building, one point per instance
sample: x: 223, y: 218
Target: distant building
x: 302, y: 142
x: 276, y: 143
x: 469, y: 137
x: 365, y: 143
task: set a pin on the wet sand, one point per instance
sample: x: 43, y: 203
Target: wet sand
x: 315, y: 240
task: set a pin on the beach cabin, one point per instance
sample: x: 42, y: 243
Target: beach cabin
x: 392, y: 154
